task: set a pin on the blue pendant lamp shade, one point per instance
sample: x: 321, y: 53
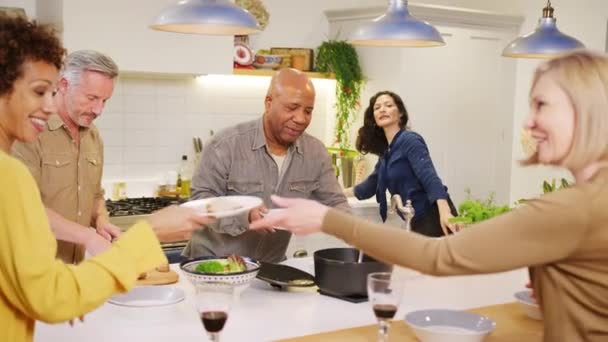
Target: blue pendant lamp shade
x: 210, y: 17
x: 545, y: 42
x: 397, y: 28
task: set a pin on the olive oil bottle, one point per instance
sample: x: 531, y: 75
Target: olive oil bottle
x: 184, y: 178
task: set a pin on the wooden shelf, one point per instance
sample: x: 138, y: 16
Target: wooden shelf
x: 270, y: 72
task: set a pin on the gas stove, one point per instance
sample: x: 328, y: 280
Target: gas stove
x: 126, y: 212
x: 139, y: 206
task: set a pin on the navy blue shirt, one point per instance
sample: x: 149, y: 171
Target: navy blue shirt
x: 406, y: 169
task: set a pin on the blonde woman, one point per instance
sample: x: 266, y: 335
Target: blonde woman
x: 562, y: 237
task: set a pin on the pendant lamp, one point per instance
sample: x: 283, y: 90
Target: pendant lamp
x: 210, y: 17
x: 545, y: 42
x: 398, y: 28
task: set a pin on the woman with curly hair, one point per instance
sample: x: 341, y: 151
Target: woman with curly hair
x: 404, y: 166
x: 33, y: 285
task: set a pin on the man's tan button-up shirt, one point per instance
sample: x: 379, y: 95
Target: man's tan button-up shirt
x: 68, y: 175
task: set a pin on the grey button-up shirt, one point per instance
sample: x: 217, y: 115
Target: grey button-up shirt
x: 237, y: 162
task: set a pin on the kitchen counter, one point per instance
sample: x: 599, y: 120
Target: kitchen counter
x: 264, y: 314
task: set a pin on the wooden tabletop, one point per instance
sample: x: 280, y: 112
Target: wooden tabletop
x: 512, y: 324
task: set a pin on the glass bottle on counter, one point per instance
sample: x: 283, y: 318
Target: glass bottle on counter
x: 184, y: 177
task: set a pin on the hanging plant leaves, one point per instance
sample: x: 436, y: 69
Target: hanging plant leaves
x: 340, y: 57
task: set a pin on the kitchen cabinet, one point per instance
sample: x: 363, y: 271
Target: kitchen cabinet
x: 120, y: 29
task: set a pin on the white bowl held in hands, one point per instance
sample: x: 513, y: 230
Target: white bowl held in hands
x: 529, y: 304
x: 441, y: 325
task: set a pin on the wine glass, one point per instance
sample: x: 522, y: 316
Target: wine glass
x: 384, y: 291
x: 213, y: 302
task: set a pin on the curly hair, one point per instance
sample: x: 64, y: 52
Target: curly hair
x: 371, y: 138
x: 22, y: 41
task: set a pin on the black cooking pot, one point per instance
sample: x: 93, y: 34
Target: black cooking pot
x: 337, y: 271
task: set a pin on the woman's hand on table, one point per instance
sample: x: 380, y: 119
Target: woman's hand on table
x: 177, y: 223
x: 299, y: 216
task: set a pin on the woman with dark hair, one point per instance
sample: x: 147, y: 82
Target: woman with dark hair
x: 33, y: 284
x: 404, y: 166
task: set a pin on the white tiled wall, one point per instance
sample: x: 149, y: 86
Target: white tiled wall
x: 149, y: 122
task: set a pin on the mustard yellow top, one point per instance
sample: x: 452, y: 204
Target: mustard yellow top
x: 36, y: 286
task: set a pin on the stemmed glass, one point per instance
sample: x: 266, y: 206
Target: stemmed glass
x: 213, y: 302
x: 384, y: 291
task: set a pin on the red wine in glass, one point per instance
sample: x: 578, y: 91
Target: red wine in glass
x: 214, y: 320
x: 385, y: 311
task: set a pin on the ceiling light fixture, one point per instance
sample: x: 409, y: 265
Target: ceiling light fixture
x: 210, y: 17
x: 398, y: 28
x: 545, y: 42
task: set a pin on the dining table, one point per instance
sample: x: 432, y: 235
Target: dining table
x: 264, y: 313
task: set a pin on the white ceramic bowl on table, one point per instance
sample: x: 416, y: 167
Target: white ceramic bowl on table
x: 240, y: 279
x: 529, y: 304
x: 142, y: 296
x: 441, y: 325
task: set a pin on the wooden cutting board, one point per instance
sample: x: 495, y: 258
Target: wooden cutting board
x: 159, y: 278
x: 512, y: 324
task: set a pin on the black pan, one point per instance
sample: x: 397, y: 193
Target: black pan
x: 282, y: 276
x: 338, y: 273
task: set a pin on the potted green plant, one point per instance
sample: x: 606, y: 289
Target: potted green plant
x: 340, y: 57
x: 473, y: 210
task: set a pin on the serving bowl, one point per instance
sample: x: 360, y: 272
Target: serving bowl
x: 188, y: 268
x: 528, y: 304
x: 441, y: 325
x: 267, y: 61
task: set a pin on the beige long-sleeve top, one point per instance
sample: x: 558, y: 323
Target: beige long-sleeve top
x: 562, y: 237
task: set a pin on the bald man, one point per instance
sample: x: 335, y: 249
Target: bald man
x: 270, y: 155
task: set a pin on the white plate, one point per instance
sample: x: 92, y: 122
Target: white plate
x: 142, y: 296
x: 224, y: 206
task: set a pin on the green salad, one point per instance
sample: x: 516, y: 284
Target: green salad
x: 232, y: 264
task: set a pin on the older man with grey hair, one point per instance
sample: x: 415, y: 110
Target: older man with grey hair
x: 67, y: 157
